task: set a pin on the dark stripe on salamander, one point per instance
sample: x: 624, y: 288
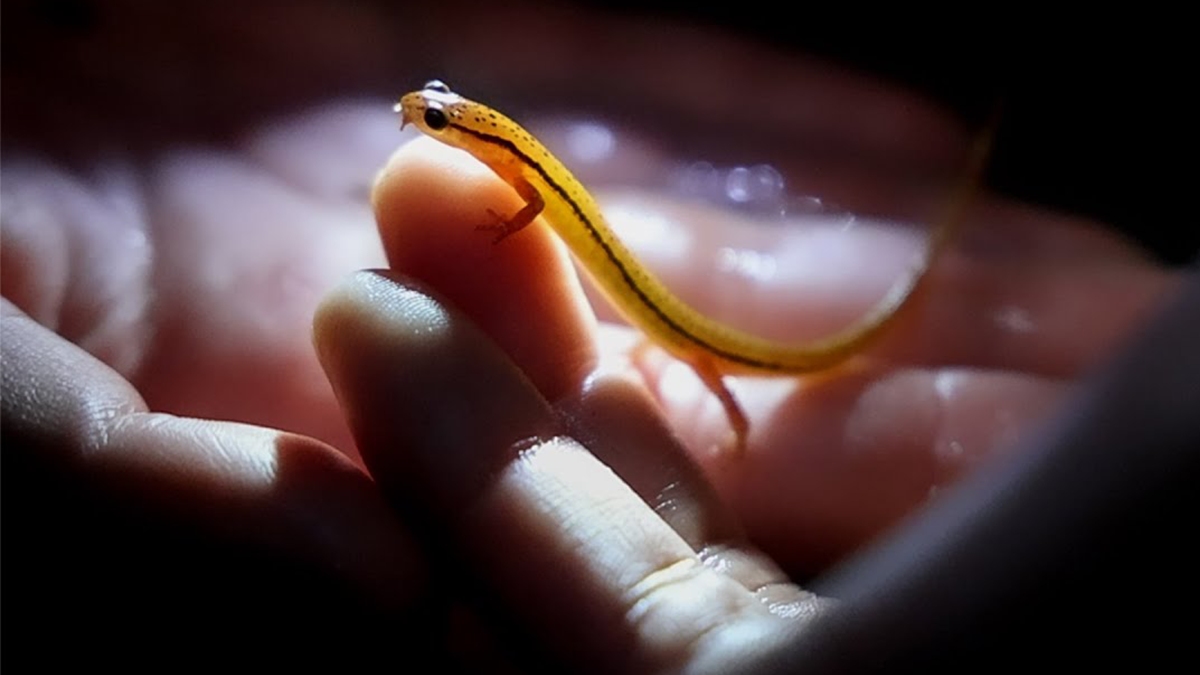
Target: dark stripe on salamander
x: 612, y: 256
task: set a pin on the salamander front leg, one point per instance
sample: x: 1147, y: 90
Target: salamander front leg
x: 503, y: 227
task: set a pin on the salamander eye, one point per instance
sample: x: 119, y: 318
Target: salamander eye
x: 438, y: 86
x: 435, y: 119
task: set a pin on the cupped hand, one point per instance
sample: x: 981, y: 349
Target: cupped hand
x: 500, y: 426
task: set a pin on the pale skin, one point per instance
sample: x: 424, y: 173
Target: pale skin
x: 516, y: 386
x: 552, y: 524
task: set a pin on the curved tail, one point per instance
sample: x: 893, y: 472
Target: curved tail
x: 829, y: 350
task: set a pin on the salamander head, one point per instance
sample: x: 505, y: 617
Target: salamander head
x: 432, y: 109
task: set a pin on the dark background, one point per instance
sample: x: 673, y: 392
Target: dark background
x: 1097, y: 112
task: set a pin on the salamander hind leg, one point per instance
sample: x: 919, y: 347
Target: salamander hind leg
x: 738, y: 423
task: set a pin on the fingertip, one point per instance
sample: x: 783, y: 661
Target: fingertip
x: 423, y: 181
x: 522, y: 291
x: 373, y: 305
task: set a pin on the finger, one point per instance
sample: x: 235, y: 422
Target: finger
x: 524, y: 293
x: 449, y: 424
x: 280, y: 494
x: 428, y: 201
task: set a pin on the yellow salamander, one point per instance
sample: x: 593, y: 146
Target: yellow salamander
x: 710, y: 347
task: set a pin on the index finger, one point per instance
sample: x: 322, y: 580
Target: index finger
x: 526, y: 297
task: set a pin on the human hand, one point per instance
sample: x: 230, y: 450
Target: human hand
x: 484, y: 396
x: 223, y: 232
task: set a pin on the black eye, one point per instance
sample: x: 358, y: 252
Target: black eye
x: 435, y: 119
x: 438, y: 86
